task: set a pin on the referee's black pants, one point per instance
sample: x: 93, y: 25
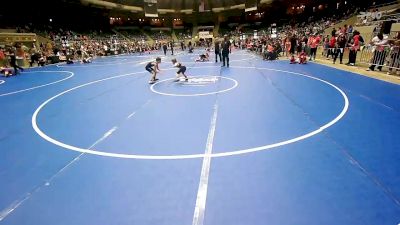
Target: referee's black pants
x: 218, y: 54
x: 225, y: 58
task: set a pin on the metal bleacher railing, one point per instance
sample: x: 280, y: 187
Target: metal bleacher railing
x: 383, y: 56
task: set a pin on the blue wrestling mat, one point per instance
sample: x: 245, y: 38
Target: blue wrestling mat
x: 256, y: 143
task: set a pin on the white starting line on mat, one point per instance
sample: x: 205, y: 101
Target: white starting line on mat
x: 7, y: 211
x: 200, y: 207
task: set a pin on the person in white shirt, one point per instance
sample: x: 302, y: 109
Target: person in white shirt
x: 379, y: 43
x: 365, y: 20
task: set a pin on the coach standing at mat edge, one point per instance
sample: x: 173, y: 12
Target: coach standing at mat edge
x: 226, y: 49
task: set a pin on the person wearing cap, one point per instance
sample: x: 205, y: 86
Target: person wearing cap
x: 226, y: 49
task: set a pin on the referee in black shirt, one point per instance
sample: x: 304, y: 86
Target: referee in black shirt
x: 13, y: 63
x: 226, y: 48
x: 217, y: 51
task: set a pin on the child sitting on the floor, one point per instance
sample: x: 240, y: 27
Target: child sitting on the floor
x: 6, y: 71
x: 203, y: 57
x: 70, y: 60
x: 302, y: 58
x: 292, y: 60
x: 87, y: 60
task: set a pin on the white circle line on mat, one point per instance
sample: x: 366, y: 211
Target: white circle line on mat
x: 98, y: 64
x: 97, y: 61
x: 40, y: 86
x: 191, y: 156
x: 127, y: 59
x: 235, y: 84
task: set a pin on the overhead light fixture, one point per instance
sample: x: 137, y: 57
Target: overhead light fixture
x: 166, y: 10
x: 186, y: 11
x: 241, y: 6
x: 218, y: 9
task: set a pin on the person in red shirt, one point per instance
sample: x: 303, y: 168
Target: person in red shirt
x: 354, y: 47
x: 339, y: 48
x: 292, y: 60
x: 314, y: 42
x: 331, y: 49
x: 1, y: 54
x: 287, y: 46
x: 302, y: 58
x: 2, y: 57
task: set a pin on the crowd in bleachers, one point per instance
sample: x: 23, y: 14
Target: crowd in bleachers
x: 290, y: 40
x: 160, y: 35
x: 133, y: 35
x: 68, y: 46
x: 183, y: 35
x: 232, y: 32
x: 304, y: 39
